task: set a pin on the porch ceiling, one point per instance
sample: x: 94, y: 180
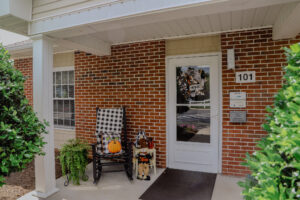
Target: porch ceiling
x: 14, y: 24
x: 15, y: 15
x: 130, y: 30
x: 208, y: 18
x: 180, y: 23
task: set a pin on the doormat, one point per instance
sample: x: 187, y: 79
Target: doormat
x: 176, y: 184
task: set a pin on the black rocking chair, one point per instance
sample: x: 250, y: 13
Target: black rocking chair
x: 111, y: 121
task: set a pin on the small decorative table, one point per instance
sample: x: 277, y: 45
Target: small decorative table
x: 152, y: 152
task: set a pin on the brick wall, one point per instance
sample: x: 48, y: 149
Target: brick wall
x: 25, y: 66
x: 134, y: 76
x: 255, y: 51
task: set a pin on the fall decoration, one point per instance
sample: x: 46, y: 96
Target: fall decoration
x: 111, y: 143
x: 114, y: 146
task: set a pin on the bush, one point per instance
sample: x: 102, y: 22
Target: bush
x: 276, y: 166
x: 20, y: 129
x: 74, y: 159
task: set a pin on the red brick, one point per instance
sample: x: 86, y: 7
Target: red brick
x: 25, y: 66
x: 241, y: 138
x: 142, y: 92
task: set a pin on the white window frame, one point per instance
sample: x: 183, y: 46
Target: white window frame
x: 62, y: 69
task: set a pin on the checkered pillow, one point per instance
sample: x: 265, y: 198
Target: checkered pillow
x: 108, y: 120
x: 111, y: 142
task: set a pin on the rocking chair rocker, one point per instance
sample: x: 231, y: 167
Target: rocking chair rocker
x: 111, y: 121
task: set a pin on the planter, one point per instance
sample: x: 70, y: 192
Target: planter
x: 74, y: 159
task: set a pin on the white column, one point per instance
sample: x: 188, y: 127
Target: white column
x: 43, y: 104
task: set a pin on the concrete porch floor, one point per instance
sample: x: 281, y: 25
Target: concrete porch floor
x: 115, y: 186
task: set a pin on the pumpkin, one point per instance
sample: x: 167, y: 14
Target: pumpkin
x: 114, y: 146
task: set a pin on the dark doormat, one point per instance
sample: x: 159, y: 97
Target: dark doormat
x: 176, y: 184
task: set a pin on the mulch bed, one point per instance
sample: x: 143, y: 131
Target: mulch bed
x: 20, y: 183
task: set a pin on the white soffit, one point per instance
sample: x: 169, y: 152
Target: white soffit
x: 287, y: 24
x: 143, y: 28
x: 97, y: 38
x: 236, y: 15
x: 156, y: 10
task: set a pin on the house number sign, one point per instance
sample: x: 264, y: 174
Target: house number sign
x: 245, y: 77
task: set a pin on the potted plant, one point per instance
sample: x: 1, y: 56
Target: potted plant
x: 74, y: 159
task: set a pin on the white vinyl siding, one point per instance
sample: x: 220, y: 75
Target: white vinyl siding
x: 47, y: 8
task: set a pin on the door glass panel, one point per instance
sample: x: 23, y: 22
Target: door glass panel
x: 193, y: 104
x: 193, y: 124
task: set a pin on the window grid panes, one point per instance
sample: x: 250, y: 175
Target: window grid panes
x: 63, y: 95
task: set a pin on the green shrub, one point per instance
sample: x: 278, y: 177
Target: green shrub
x: 276, y: 166
x: 74, y: 159
x: 20, y: 129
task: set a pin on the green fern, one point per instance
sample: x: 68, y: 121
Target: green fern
x: 74, y: 159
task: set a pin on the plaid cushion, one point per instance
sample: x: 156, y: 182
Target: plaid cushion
x: 108, y: 121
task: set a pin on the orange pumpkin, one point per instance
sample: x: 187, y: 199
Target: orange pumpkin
x: 114, y: 146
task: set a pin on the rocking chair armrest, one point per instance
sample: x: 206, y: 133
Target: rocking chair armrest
x: 129, y: 145
x: 94, y: 148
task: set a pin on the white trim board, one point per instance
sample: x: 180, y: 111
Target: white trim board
x: 220, y: 114
x: 60, y: 69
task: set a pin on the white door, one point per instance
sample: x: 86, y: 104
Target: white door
x: 193, y: 112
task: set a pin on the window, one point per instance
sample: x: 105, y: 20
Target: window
x: 63, y: 96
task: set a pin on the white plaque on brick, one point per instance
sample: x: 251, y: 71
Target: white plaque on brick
x: 237, y: 99
x: 245, y: 77
x: 237, y: 104
x: 237, y: 95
